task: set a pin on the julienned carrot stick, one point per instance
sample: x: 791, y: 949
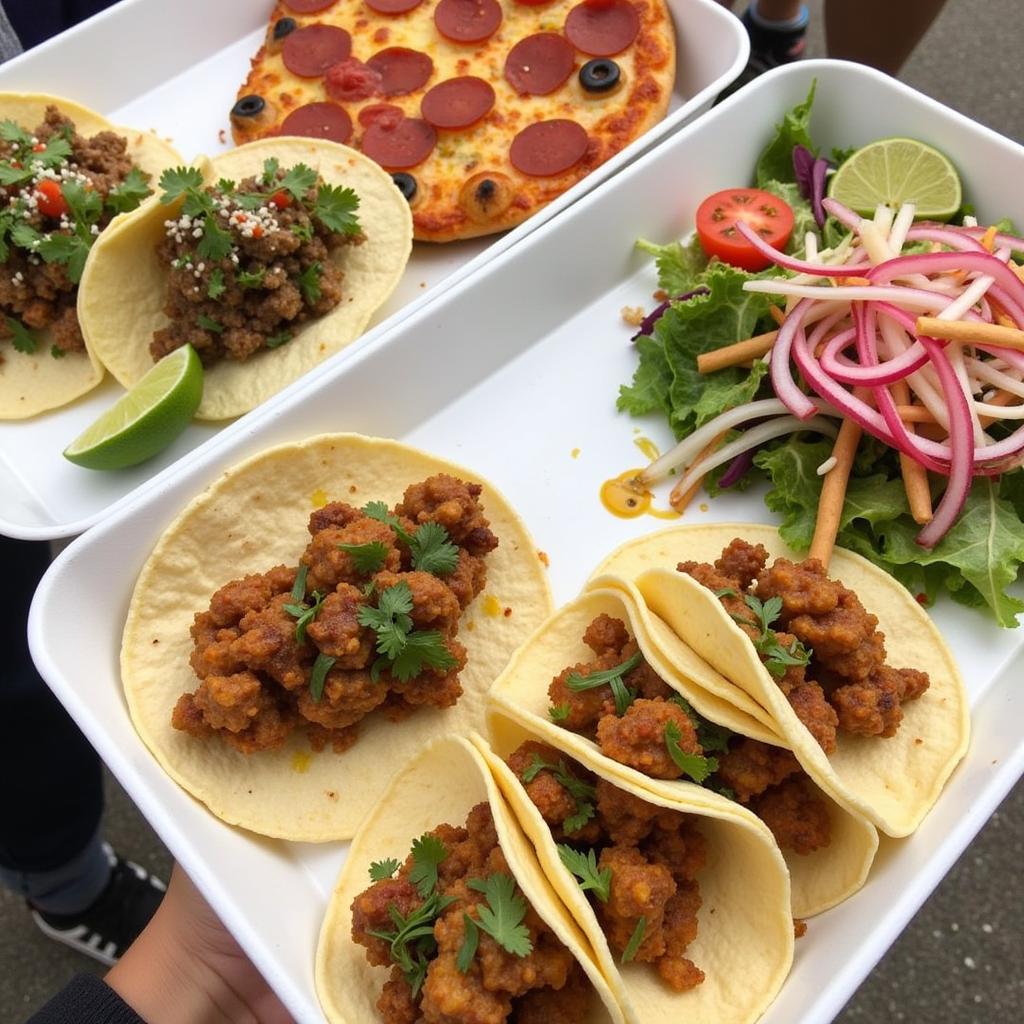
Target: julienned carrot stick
x: 970, y: 332
x: 777, y: 315
x: 737, y: 353
x: 833, y: 492
x: 680, y: 500
x: 915, y: 476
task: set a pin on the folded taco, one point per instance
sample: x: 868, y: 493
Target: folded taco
x: 685, y: 904
x: 442, y: 913
x: 68, y: 177
x: 605, y: 679
x: 858, y: 680
x: 344, y: 592
x: 266, y: 259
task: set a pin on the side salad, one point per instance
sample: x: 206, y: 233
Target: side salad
x: 869, y: 365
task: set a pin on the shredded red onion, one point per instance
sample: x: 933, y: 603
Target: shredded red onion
x: 800, y: 266
x: 738, y: 468
x: 648, y: 322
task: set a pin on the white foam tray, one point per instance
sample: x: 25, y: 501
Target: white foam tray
x: 175, y: 68
x: 511, y: 372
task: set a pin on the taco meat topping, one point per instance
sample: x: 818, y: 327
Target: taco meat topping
x: 58, y: 191
x: 368, y: 620
x: 637, y: 719
x: 249, y: 263
x: 637, y: 862
x: 463, y: 944
x: 822, y: 647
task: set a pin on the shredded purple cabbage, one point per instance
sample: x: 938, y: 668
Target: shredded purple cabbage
x: 810, y: 171
x: 648, y: 322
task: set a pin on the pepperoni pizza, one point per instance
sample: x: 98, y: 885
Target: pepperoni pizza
x: 482, y: 110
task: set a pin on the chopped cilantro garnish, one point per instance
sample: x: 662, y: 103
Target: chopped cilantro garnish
x: 582, y: 792
x: 694, y: 765
x: 321, y: 667
x: 216, y: 242
x: 776, y: 657
x: 69, y: 249
x: 250, y: 278
x: 379, y: 510
x: 470, y: 942
x: 305, y: 614
x: 427, y: 853
x: 209, y: 325
x: 299, y: 588
x: 303, y: 232
x: 23, y: 339
x: 432, y: 551
x: 584, y: 867
x: 559, y: 712
x: 129, y: 194
x: 502, y: 917
x: 578, y: 683
x: 622, y: 695
x: 633, y: 946
x: 299, y: 180
x: 335, y: 208
x: 270, y: 168
x: 367, y: 558
x: 381, y: 870
x: 177, y: 181
x: 216, y: 287
x: 11, y: 131
x: 710, y: 736
x: 57, y: 352
x: 277, y: 340
x: 309, y: 283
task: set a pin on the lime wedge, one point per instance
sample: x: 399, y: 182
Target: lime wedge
x: 895, y: 171
x: 147, y: 419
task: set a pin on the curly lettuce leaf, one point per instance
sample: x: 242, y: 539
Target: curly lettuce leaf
x: 680, y: 265
x: 651, y: 380
x: 803, y: 214
x: 776, y: 160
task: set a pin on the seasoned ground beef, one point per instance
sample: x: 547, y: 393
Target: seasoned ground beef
x: 276, y: 273
x: 258, y: 646
x: 845, y: 684
x: 39, y: 289
x: 652, y: 856
x: 544, y: 985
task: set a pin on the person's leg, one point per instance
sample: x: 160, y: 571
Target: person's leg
x: 877, y: 32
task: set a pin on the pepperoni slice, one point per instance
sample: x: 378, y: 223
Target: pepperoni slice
x: 401, y: 145
x: 467, y: 21
x: 401, y: 70
x: 548, y: 147
x: 539, y: 64
x: 310, y: 51
x: 457, y: 103
x: 351, y: 81
x: 602, y: 28
x: 309, y: 6
x: 319, y: 121
x: 392, y: 6
x: 386, y: 113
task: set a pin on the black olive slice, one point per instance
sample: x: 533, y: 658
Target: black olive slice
x: 284, y: 27
x: 406, y: 185
x: 600, y: 75
x: 248, y: 106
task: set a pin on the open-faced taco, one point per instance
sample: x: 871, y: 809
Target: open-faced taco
x: 607, y: 680
x: 442, y: 912
x: 858, y: 680
x: 343, y: 592
x: 685, y: 903
x: 266, y: 259
x: 68, y: 175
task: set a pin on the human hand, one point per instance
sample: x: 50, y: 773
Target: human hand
x: 187, y: 967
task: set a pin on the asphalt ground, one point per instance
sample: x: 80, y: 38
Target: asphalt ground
x: 959, y: 961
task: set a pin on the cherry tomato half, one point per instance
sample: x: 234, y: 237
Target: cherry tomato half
x: 51, y: 200
x: 766, y: 214
x: 281, y: 199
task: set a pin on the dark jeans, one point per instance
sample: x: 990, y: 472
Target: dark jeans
x: 51, y: 793
x: 37, y: 20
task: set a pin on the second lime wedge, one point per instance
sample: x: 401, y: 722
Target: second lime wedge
x: 145, y: 420
x: 897, y: 171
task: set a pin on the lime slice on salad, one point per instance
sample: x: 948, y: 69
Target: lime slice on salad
x: 147, y: 419
x: 896, y: 171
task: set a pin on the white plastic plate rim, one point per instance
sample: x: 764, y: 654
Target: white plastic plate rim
x: 85, y: 601
x: 44, y: 497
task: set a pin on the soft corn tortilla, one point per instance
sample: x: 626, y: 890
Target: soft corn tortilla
x: 31, y: 384
x: 892, y: 782
x: 125, y: 267
x: 250, y: 519
x: 745, y: 940
x: 820, y: 880
x: 441, y: 784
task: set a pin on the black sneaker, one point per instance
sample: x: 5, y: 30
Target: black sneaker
x: 108, y: 927
x: 769, y: 48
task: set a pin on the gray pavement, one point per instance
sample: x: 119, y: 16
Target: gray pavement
x: 960, y: 959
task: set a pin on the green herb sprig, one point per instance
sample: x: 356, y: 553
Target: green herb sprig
x: 697, y: 767
x: 635, y: 940
x: 582, y: 792
x: 584, y: 867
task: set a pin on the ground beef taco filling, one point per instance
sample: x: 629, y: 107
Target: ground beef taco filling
x: 821, y: 646
x: 618, y: 701
x: 249, y: 263
x: 367, y: 620
x: 59, y: 190
x: 463, y: 944
x: 637, y: 862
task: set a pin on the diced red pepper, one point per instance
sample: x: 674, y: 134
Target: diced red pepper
x: 51, y: 200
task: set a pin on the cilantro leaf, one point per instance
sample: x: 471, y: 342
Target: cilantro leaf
x: 390, y: 619
x: 380, y: 870
x: 250, y: 278
x: 305, y: 615
x: 585, y: 868
x: 270, y: 169
x: 578, y: 683
x: 635, y: 941
x: 23, y: 339
x: 208, y: 324
x: 469, y: 944
x: 56, y: 150
x: 279, y: 339
x: 695, y: 766
x: 299, y: 587
x: 710, y: 735
x: 378, y: 510
x: 582, y: 792
x: 299, y: 180
x: 216, y: 243
x: 321, y: 667
x: 502, y: 917
x: 216, y: 287
x: 176, y: 181
x: 367, y: 558
x: 25, y: 236
x: 427, y: 853
x: 559, y: 712
x: 622, y: 695
x: 304, y: 232
x: 432, y: 551
x: 11, y: 131
x: 129, y: 194
x: 85, y: 205
x: 57, y: 352
x: 10, y: 175
x: 422, y: 649
x: 309, y: 283
x: 335, y: 208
